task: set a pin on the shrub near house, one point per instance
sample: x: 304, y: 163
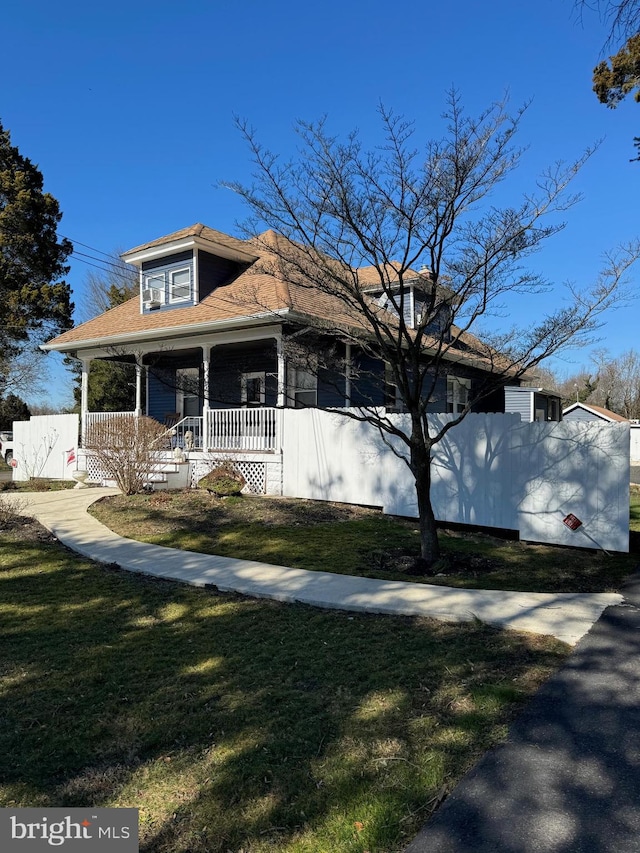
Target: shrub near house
x: 223, y: 481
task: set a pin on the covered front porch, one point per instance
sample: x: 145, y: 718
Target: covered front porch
x: 222, y: 394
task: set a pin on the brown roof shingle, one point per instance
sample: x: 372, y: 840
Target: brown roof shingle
x: 197, y: 230
x: 273, y: 285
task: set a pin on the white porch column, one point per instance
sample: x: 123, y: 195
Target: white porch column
x: 281, y: 399
x: 138, y: 390
x: 347, y: 375
x: 206, y: 367
x: 84, y: 397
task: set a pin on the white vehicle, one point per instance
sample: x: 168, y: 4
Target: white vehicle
x: 6, y: 446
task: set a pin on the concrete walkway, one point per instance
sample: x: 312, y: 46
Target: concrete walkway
x: 567, y: 616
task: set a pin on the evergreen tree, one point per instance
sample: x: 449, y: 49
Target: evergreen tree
x: 617, y: 78
x: 614, y: 80
x: 34, y: 298
x: 13, y: 408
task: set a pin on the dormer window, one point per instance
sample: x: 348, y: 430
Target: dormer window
x: 171, y: 286
x: 180, y: 285
x: 153, y: 291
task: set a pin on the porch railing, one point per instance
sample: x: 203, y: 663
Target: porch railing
x: 242, y: 429
x: 227, y: 430
x: 91, y: 419
x: 187, y: 434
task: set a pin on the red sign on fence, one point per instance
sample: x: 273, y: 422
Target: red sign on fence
x: 572, y: 522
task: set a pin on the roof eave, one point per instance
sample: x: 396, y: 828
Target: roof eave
x: 168, y: 332
x: 138, y: 257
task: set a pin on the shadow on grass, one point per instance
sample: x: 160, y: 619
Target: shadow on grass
x: 354, y: 541
x: 233, y: 722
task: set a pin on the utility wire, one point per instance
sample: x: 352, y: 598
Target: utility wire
x: 114, y: 268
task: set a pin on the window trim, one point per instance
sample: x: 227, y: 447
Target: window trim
x: 296, y: 388
x: 256, y: 374
x: 170, y: 284
x: 456, y: 401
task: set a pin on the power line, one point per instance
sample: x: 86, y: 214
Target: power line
x: 114, y: 268
x: 93, y: 248
x: 121, y: 267
x: 121, y: 275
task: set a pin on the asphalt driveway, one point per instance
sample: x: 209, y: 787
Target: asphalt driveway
x: 568, y: 777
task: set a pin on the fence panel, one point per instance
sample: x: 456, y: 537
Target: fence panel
x: 45, y: 446
x: 490, y: 470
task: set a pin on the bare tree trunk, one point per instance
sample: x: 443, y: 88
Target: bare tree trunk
x: 421, y: 468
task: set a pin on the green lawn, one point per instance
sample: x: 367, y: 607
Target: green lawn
x: 355, y: 541
x: 237, y: 724
x: 37, y: 484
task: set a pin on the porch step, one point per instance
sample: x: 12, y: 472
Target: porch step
x: 172, y: 475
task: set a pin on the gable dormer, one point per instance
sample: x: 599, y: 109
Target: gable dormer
x: 423, y: 303
x: 183, y: 268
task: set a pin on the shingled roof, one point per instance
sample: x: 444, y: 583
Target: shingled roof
x: 278, y: 283
x: 199, y: 231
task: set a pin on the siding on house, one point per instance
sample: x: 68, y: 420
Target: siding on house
x: 163, y: 266
x: 367, y: 385
x: 408, y: 309
x: 161, y: 394
x: 229, y: 363
x: 518, y: 402
x: 168, y: 261
x: 214, y: 271
x: 162, y: 383
x: 331, y: 389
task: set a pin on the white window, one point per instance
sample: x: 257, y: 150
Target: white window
x: 457, y: 394
x: 304, y: 388
x: 153, y: 289
x: 253, y: 388
x: 180, y: 285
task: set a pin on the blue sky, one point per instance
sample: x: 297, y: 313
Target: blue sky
x: 127, y: 108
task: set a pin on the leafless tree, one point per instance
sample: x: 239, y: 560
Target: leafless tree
x: 612, y: 383
x: 395, y: 209
x: 26, y: 372
x: 112, y: 284
x: 618, y: 383
x: 127, y: 448
x: 622, y: 17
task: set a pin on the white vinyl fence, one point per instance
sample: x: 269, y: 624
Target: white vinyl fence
x: 490, y: 470
x: 45, y: 446
x: 635, y: 444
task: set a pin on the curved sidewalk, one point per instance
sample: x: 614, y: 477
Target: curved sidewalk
x: 567, y: 616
